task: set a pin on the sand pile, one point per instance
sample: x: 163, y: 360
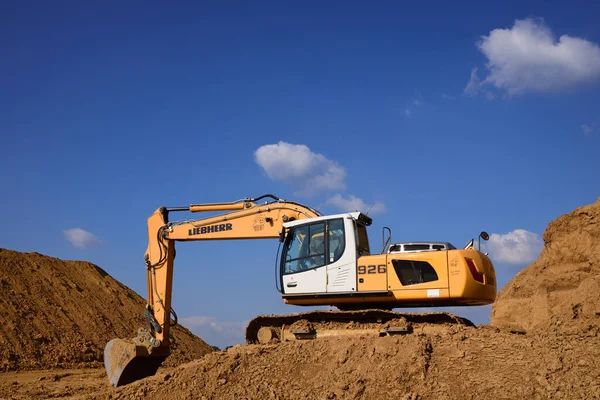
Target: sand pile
x: 462, y: 363
x: 59, y: 314
x: 561, y: 289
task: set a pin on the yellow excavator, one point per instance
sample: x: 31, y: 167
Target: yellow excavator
x: 325, y: 261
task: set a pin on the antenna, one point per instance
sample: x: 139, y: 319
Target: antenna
x: 370, y: 209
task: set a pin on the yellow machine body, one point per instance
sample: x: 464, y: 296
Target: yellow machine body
x: 327, y: 261
x: 379, y: 282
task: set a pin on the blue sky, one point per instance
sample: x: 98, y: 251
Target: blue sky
x: 447, y: 119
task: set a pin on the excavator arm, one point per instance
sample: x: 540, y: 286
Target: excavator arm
x: 129, y: 360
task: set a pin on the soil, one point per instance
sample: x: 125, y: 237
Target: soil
x: 468, y: 362
x: 543, y: 343
x: 465, y: 363
x: 61, y: 314
x: 560, y: 291
x: 46, y: 384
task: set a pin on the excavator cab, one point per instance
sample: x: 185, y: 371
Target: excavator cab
x: 319, y: 255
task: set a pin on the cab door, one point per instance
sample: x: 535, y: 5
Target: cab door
x: 303, y: 262
x: 341, y: 255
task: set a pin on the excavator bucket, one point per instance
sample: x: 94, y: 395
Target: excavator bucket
x: 127, y: 362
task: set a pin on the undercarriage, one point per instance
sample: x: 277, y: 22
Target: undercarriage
x: 321, y: 324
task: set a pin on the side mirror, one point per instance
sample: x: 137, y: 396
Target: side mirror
x: 483, y: 235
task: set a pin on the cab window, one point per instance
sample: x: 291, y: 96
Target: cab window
x: 362, y: 240
x: 336, y: 240
x: 305, y: 248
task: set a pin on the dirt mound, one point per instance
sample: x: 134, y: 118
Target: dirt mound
x: 59, y: 314
x: 463, y: 363
x: 561, y: 289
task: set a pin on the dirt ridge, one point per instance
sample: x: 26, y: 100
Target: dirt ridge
x: 461, y: 363
x: 560, y: 291
x: 61, y: 314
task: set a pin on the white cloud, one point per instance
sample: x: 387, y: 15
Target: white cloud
x: 473, y: 85
x: 527, y: 57
x: 215, y: 332
x: 212, y: 322
x: 353, y: 203
x: 447, y: 96
x: 297, y: 164
x: 587, y: 129
x: 80, y: 238
x: 518, y: 247
x: 489, y: 96
x: 412, y: 104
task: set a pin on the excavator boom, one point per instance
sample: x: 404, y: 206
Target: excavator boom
x: 130, y: 360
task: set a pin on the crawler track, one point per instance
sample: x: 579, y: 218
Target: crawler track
x: 345, y: 321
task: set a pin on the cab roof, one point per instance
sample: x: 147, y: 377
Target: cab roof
x: 357, y: 216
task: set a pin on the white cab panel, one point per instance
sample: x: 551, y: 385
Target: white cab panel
x: 342, y: 273
x: 310, y: 281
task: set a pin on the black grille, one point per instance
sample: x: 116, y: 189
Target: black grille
x: 413, y: 272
